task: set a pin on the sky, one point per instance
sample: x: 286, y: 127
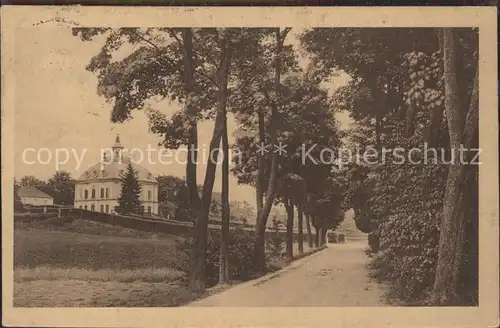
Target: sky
x: 57, y: 107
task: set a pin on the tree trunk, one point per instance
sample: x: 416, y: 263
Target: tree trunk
x: 436, y: 113
x: 259, y: 185
x: 452, y: 223
x: 378, y: 129
x: 436, y: 116
x: 409, y: 121
x: 289, y: 228
x: 197, y: 272
x: 224, y: 239
x: 190, y: 109
x: 260, y: 228
x: 309, y: 232
x: 316, y: 236
x: 301, y: 228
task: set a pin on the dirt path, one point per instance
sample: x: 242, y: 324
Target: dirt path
x: 333, y: 277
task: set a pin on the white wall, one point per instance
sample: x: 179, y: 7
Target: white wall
x: 37, y: 201
x: 114, y: 192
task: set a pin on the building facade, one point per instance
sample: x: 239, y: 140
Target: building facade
x: 99, y: 187
x: 34, y: 196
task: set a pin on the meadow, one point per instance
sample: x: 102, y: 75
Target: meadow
x: 77, y: 262
x: 84, y: 263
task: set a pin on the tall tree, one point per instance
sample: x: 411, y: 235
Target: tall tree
x: 129, y: 201
x: 310, y: 238
x: 260, y: 228
x: 173, y: 194
x: 301, y: 206
x: 292, y: 190
x: 326, y: 208
x: 198, y: 257
x: 63, y: 188
x: 226, y: 212
x: 462, y: 129
x: 373, y: 59
x: 30, y: 181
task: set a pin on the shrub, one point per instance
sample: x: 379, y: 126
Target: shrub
x: 275, y: 241
x: 374, y: 241
x: 410, y: 245
x: 241, y: 252
x: 406, y: 201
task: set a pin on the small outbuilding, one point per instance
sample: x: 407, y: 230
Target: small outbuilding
x: 34, y: 196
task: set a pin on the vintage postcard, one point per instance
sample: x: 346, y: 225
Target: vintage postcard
x: 250, y: 167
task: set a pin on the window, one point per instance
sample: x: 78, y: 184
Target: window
x: 107, y: 208
x: 102, y: 208
x: 107, y: 192
x: 85, y: 207
x: 86, y: 194
x: 149, y: 194
x: 92, y: 207
x: 81, y: 206
x: 102, y: 192
x: 93, y: 193
x: 149, y: 209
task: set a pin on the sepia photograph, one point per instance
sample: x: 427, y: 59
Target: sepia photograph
x: 198, y: 159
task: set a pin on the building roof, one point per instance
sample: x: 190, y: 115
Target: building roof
x: 114, y: 169
x: 31, y: 192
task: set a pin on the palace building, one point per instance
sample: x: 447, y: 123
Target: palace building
x: 99, y: 187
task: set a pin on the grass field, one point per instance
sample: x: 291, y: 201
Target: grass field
x: 85, y: 263
x: 35, y: 248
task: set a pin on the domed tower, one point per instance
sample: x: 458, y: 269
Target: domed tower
x: 99, y: 187
x: 117, y: 150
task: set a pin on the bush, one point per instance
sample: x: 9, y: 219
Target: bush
x: 274, y: 242
x: 406, y: 201
x: 241, y: 252
x: 374, y: 241
x: 410, y: 245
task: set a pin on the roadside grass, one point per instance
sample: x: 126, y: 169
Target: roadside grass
x: 81, y: 293
x: 144, y: 275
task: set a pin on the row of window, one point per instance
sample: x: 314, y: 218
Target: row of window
x: 105, y: 194
x: 104, y: 208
